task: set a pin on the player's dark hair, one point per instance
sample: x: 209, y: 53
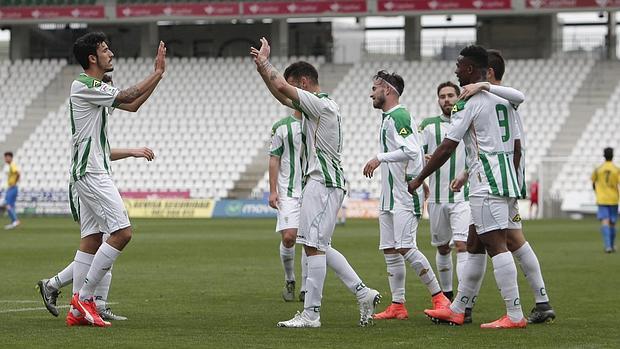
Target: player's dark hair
x: 608, y: 153
x: 86, y: 45
x: 449, y: 84
x: 478, y: 55
x: 393, y: 79
x: 496, y: 61
x: 8, y: 153
x: 301, y: 69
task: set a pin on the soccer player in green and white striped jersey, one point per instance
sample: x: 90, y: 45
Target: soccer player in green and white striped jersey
x: 400, y: 158
x: 481, y: 123
x: 520, y: 248
x: 284, y: 193
x: 90, y: 171
x: 323, y: 184
x: 448, y: 211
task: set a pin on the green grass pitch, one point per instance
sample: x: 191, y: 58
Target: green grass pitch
x: 217, y: 283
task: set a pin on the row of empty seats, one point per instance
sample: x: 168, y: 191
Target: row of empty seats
x: 573, y: 181
x: 21, y: 82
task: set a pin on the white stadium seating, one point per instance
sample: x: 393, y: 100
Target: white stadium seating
x: 210, y: 117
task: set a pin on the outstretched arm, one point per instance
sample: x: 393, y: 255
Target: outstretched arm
x: 122, y: 153
x: 277, y: 85
x: 510, y: 94
x: 132, y: 98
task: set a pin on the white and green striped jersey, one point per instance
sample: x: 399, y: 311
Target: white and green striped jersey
x: 88, y: 105
x: 404, y: 162
x: 433, y: 130
x: 481, y: 123
x: 321, y: 139
x: 286, y: 144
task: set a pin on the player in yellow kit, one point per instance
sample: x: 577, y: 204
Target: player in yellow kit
x: 605, y: 180
x: 11, y: 192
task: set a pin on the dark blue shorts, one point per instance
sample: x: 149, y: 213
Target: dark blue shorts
x: 608, y: 212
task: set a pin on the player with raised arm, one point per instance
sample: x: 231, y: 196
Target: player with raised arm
x: 50, y: 288
x: 448, y: 211
x: 400, y: 158
x: 323, y: 184
x: 101, y: 207
x: 481, y: 123
x: 518, y: 246
x: 284, y: 193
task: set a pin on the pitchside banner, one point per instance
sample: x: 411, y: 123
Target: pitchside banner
x: 169, y: 208
x: 243, y: 209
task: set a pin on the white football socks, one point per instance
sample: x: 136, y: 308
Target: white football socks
x: 505, y: 272
x: 345, y: 272
x: 444, y: 269
x: 397, y: 273
x: 287, y: 256
x: 102, y: 290
x: 81, y: 265
x: 423, y: 269
x: 317, y: 269
x: 531, y: 268
x: 102, y: 263
x: 304, y: 269
x: 461, y: 258
x: 62, y: 279
x: 473, y: 272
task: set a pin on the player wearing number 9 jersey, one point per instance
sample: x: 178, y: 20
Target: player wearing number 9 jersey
x: 478, y: 122
x: 515, y: 144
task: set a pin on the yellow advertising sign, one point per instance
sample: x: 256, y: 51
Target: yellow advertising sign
x: 169, y: 208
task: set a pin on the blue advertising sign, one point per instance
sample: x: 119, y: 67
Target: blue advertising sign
x: 243, y: 209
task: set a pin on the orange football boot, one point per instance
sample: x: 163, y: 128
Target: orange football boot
x: 440, y: 301
x: 393, y: 311
x: 505, y: 322
x: 73, y: 320
x: 89, y: 311
x: 445, y: 315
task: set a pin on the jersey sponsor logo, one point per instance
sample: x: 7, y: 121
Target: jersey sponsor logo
x: 516, y: 218
x: 403, y: 131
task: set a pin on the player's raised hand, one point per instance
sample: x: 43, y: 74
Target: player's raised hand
x: 261, y: 55
x: 160, y: 59
x: 143, y: 152
x: 273, y: 200
x: 471, y: 89
x: 371, y: 166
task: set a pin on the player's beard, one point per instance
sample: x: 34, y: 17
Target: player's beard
x: 109, y: 68
x: 378, y: 102
x: 447, y: 109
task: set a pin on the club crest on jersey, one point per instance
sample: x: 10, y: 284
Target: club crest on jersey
x: 96, y: 83
x: 403, y: 131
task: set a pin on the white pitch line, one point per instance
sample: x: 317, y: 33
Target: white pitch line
x: 36, y: 309
x: 18, y: 302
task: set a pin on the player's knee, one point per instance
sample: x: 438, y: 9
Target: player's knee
x: 404, y: 251
x: 444, y: 249
x: 288, y: 240
x: 460, y: 246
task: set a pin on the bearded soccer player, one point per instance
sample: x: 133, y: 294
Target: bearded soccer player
x: 400, y: 157
x: 477, y: 121
x: 284, y: 193
x: 323, y: 184
x: 101, y: 208
x: 448, y: 211
x: 516, y: 143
